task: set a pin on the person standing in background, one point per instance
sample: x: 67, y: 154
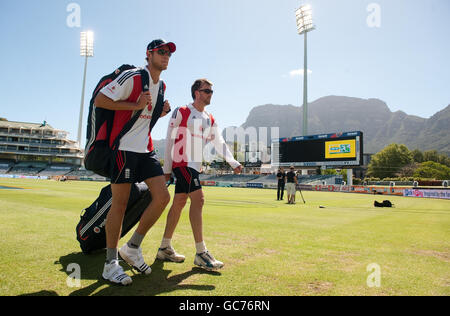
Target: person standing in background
x: 291, y: 182
x: 281, y: 176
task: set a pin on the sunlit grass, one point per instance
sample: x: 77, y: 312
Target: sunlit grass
x: 268, y: 247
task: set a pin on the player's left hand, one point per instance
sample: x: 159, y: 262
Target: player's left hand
x: 166, y: 108
x: 238, y: 170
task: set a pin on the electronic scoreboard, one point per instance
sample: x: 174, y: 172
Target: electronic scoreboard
x: 334, y: 150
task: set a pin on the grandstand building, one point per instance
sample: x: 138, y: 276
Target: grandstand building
x: 36, y: 149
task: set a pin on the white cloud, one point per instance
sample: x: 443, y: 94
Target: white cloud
x: 298, y: 72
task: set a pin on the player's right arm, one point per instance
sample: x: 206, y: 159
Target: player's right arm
x: 113, y: 96
x: 102, y: 101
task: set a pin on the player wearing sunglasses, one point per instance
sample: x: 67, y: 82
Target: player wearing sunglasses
x: 136, y: 160
x: 191, y: 128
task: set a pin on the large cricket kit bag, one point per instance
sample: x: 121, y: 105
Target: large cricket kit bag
x: 91, y: 229
x: 105, y: 127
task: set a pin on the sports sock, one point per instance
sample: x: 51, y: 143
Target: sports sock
x: 166, y: 242
x: 111, y: 254
x: 201, y: 247
x: 135, y: 240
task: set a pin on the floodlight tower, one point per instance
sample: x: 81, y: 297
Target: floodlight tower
x: 86, y: 50
x: 305, y: 25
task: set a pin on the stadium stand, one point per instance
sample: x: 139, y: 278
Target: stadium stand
x: 231, y: 178
x: 27, y: 168
x: 56, y: 170
x: 316, y: 179
x: 269, y: 179
x: 266, y: 179
x: 5, y: 166
x: 81, y: 172
x: 36, y: 149
x: 204, y: 177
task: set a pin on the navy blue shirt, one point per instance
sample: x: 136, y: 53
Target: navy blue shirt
x: 291, y: 177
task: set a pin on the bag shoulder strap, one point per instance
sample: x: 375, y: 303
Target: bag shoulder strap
x: 145, y: 87
x: 159, y: 105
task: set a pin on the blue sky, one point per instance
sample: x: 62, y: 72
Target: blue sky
x: 248, y: 48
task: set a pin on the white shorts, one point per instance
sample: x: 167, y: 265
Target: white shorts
x: 290, y: 188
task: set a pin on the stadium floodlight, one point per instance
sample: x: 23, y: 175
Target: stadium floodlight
x: 87, y: 44
x: 86, y: 50
x: 304, y: 19
x: 304, y: 25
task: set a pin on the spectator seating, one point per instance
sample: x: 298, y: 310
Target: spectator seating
x: 30, y: 168
x: 5, y: 166
x: 56, y: 170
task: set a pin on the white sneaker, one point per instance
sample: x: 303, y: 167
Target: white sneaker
x: 169, y: 254
x: 114, y: 273
x: 133, y: 256
x: 206, y: 261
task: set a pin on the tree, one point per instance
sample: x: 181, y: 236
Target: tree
x: 444, y: 160
x: 408, y: 170
x: 417, y: 155
x: 331, y: 172
x: 343, y: 173
x: 433, y: 170
x: 431, y: 155
x: 389, y: 161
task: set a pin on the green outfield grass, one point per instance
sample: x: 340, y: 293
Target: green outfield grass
x: 268, y: 247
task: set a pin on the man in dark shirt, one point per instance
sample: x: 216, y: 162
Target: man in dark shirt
x: 291, y: 179
x: 281, y: 176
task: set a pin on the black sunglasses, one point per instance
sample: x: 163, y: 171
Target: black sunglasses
x: 207, y: 91
x: 163, y: 52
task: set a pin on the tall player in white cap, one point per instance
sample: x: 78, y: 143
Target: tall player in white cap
x: 135, y: 160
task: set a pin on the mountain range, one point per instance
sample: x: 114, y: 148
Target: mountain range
x: 380, y: 126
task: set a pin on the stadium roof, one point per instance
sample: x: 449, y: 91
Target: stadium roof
x: 10, y: 124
